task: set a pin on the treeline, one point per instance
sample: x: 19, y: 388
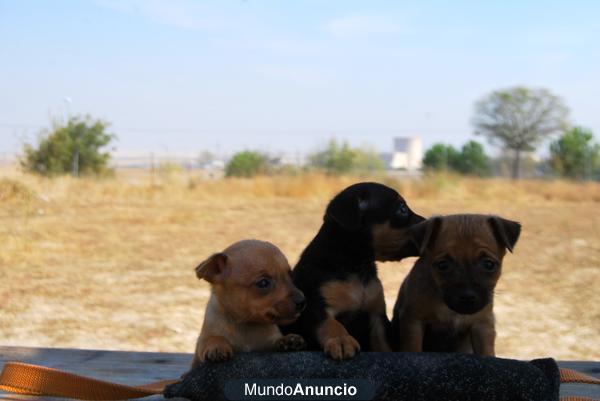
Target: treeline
x: 470, y: 159
x: 335, y: 158
x: 515, y: 120
x: 573, y: 155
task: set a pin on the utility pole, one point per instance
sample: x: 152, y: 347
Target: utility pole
x: 75, y: 163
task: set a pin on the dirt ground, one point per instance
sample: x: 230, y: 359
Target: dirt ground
x: 108, y: 263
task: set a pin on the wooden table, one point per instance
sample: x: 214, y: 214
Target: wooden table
x: 135, y: 368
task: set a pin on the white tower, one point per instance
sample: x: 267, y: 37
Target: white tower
x: 408, y: 154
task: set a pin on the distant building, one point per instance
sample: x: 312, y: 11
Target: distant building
x: 290, y: 159
x: 386, y: 158
x: 407, y: 154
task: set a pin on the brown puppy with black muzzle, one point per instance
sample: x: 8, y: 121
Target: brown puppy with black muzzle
x: 446, y: 301
x: 252, y: 292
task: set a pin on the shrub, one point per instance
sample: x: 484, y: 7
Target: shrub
x: 75, y: 147
x: 342, y: 159
x: 367, y: 159
x: 247, y: 164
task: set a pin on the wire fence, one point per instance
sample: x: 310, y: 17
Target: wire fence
x: 501, y: 166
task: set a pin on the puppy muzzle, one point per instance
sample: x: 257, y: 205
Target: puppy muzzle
x: 288, y: 310
x: 466, y: 301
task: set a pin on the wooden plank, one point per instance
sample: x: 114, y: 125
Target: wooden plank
x: 587, y: 367
x: 136, y: 368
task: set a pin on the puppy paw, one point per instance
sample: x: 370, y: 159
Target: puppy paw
x: 342, y: 347
x: 291, y: 342
x: 217, y: 353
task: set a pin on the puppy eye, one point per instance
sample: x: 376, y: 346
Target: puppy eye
x: 263, y: 283
x: 402, y: 210
x: 489, y: 264
x: 442, y: 265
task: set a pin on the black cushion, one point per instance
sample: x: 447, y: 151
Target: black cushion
x: 394, y: 376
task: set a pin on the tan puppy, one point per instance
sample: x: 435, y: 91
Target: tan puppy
x: 252, y: 292
x: 446, y: 301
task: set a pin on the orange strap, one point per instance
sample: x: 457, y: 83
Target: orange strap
x: 573, y: 376
x: 23, y: 378
x: 576, y: 398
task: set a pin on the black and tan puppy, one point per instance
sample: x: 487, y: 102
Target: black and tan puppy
x: 252, y: 292
x: 337, y: 273
x: 446, y: 301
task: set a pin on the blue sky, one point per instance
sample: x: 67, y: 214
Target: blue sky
x: 174, y: 76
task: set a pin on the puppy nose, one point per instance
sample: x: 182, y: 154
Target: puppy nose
x: 299, y: 301
x: 417, y: 218
x: 468, y: 297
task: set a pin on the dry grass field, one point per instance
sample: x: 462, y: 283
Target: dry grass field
x: 108, y: 263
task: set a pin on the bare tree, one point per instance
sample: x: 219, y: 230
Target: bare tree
x: 519, y: 119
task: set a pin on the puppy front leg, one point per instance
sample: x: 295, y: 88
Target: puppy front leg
x: 483, y: 338
x: 411, y: 335
x: 212, y: 348
x: 335, y: 340
x: 378, y: 336
x: 379, y: 322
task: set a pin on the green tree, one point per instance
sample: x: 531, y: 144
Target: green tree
x: 473, y: 160
x: 247, y: 164
x: 76, y: 147
x: 441, y: 157
x: 367, y: 159
x: 335, y: 158
x: 519, y: 119
x: 341, y: 158
x: 574, y: 154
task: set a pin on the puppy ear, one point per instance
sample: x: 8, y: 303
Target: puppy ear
x: 347, y: 210
x: 506, y: 231
x: 424, y: 233
x: 212, y: 268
